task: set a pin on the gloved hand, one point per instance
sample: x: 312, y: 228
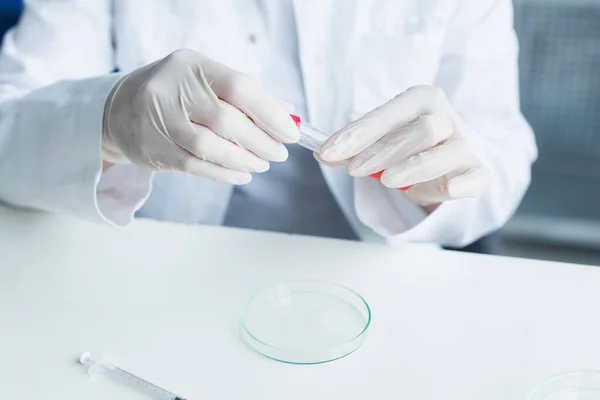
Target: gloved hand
x: 189, y: 113
x: 417, y: 140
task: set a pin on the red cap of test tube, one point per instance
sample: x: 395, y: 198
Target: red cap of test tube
x: 296, y: 119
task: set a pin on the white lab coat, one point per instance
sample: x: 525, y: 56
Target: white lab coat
x: 354, y: 54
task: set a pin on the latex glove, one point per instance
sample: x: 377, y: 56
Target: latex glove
x: 417, y: 140
x: 189, y: 113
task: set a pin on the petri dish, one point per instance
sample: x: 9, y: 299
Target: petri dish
x: 575, y: 385
x: 306, y: 322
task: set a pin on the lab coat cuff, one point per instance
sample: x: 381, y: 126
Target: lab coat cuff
x: 97, y: 200
x: 449, y: 224
x: 123, y: 188
x: 77, y: 161
x: 386, y: 211
x: 391, y: 215
x: 121, y: 191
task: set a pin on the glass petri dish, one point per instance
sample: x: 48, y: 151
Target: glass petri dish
x: 306, y: 322
x: 575, y: 385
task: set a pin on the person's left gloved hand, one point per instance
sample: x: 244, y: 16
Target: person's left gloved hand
x: 417, y: 139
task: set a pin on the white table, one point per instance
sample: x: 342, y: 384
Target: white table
x: 164, y: 300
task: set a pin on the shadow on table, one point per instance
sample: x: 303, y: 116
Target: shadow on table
x: 489, y: 244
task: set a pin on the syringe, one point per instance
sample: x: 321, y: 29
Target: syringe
x: 95, y: 366
x: 312, y: 139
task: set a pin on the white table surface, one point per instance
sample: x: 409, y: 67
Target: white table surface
x: 164, y: 300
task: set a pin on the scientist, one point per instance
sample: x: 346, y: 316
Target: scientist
x: 192, y: 128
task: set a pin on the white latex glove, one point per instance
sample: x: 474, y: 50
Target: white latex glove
x: 189, y: 113
x: 417, y: 140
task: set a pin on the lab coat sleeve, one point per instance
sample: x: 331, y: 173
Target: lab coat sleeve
x: 54, y: 78
x: 479, y: 73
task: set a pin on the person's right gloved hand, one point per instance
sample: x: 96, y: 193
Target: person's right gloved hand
x: 189, y: 113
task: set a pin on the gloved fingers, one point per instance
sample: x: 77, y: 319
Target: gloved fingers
x: 396, y: 113
x: 289, y: 107
x: 207, y: 145
x: 245, y: 94
x: 332, y: 165
x: 426, y: 166
x: 423, y: 133
x: 212, y: 171
x: 428, y: 193
x: 233, y: 125
x: 179, y: 159
x: 470, y: 183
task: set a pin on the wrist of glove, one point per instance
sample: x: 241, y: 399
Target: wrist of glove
x: 189, y: 113
x: 110, y: 151
x: 417, y: 139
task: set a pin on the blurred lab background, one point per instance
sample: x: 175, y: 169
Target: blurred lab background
x: 560, y: 93
x: 559, y: 218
